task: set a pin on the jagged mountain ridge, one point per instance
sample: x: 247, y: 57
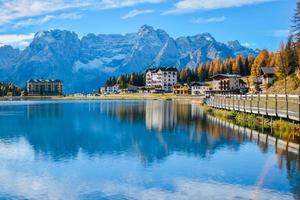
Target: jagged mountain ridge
x: 85, y: 63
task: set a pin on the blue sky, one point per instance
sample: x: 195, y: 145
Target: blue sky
x: 255, y: 23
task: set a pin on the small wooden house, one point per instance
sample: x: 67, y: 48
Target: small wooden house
x: 181, y: 89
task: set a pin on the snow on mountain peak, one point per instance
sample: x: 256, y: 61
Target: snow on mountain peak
x: 84, y: 62
x: 208, y: 37
x: 145, y: 30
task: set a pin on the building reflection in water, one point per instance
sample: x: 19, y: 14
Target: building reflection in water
x: 44, y: 111
x: 160, y: 115
x: 61, y: 129
x: 150, y: 130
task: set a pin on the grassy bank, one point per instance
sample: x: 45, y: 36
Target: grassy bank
x: 293, y: 85
x: 282, y: 129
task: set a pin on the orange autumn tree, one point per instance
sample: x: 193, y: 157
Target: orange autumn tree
x: 260, y: 61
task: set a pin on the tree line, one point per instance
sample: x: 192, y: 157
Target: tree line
x: 6, y: 88
x: 285, y: 61
x: 239, y: 65
x: 124, y: 80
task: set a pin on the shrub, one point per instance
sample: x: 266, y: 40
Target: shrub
x: 284, y: 129
x: 232, y: 115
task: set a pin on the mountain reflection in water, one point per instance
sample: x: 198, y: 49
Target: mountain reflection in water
x: 153, y: 132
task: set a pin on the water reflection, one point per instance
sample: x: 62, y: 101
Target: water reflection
x: 101, y: 141
x: 45, y: 111
x: 60, y: 130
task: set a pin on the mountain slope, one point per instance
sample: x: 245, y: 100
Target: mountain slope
x: 85, y: 63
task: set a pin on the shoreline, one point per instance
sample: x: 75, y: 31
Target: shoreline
x: 278, y: 128
x: 134, y: 96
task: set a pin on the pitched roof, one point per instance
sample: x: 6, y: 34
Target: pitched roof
x: 268, y: 70
x: 164, y: 69
x: 43, y: 81
x: 199, y: 84
x: 226, y: 76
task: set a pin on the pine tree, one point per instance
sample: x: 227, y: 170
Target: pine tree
x: 290, y: 55
x: 237, y: 65
x: 113, y: 80
x: 282, y: 67
x: 235, y: 68
x: 296, y: 22
x: 121, y: 81
x: 200, y: 72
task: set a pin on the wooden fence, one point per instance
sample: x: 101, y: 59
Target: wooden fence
x: 284, y: 106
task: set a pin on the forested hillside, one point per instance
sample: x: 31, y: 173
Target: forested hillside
x: 8, y: 88
x: 285, y: 61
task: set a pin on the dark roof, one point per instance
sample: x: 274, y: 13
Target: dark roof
x: 242, y: 82
x: 164, y: 69
x: 44, y: 81
x: 199, y: 84
x: 226, y: 76
x: 268, y: 70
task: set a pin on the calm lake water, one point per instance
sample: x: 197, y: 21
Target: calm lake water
x: 134, y: 150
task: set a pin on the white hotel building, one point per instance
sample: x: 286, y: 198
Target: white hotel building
x: 161, y: 78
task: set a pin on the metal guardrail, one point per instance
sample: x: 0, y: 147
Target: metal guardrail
x: 278, y: 105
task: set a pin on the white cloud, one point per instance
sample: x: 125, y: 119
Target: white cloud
x: 124, y: 3
x: 14, y: 10
x: 134, y: 13
x: 280, y: 33
x: 96, y: 64
x: 42, y: 20
x: 209, y: 20
x: 184, y: 6
x: 19, y: 177
x: 20, y: 9
x: 21, y: 40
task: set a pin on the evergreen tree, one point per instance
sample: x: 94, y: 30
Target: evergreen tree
x: 201, y: 73
x: 282, y: 68
x: 237, y: 66
x: 122, y: 82
x: 296, y: 22
x: 290, y: 55
x: 113, y: 80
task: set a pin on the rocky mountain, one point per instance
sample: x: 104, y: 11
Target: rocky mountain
x: 238, y: 49
x: 8, y: 56
x: 84, y: 63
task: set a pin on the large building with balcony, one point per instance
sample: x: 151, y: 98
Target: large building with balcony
x: 227, y: 83
x: 161, y: 78
x: 40, y: 87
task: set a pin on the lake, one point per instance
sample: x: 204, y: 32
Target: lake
x: 134, y: 150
